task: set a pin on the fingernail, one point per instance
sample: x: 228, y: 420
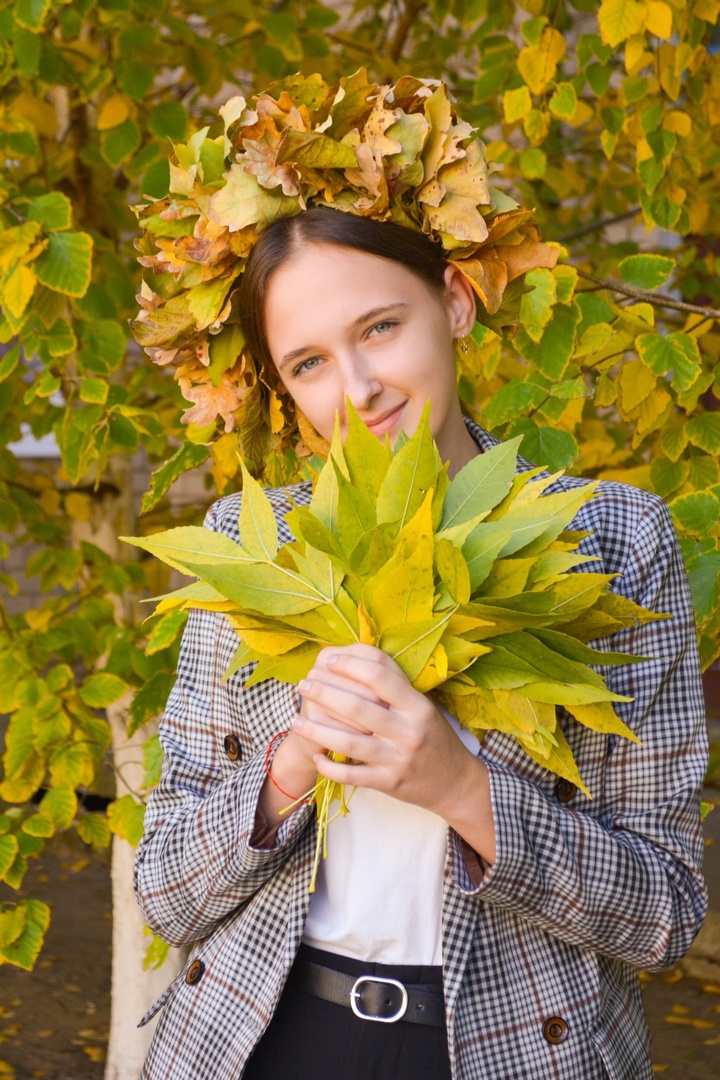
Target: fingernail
x: 298, y: 723
x: 333, y: 659
x: 304, y: 686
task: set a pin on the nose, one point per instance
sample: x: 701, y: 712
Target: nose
x: 361, y: 385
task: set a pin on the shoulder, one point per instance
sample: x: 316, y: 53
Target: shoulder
x: 223, y: 516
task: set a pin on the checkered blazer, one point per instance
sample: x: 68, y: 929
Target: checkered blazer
x: 581, y: 895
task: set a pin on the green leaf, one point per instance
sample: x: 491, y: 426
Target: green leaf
x: 703, y: 431
x: 53, y: 211
x: 134, y: 77
x: 536, y: 306
x: 152, y: 760
x: 187, y: 457
x: 165, y: 631
x: 27, y: 47
x: 60, y: 805
x: 125, y: 818
x: 31, y: 13
x: 72, y: 766
x: 697, y: 512
x: 511, y: 400
x: 150, y: 700
x: 94, y: 829
x: 676, y: 352
x: 24, y: 951
x: 101, y: 689
x: 94, y: 391
x: 704, y: 577
x: 366, y: 457
x: 667, y: 476
x: 104, y: 345
x: 551, y: 447
x: 119, y: 143
x: 412, y: 472
x: 481, y: 484
x: 169, y: 121
x: 39, y: 825
x: 66, y: 264
x: 646, y: 271
x: 258, y: 525
x: 12, y: 923
x: 189, y: 545
x: 8, y: 852
x: 552, y: 353
x: 481, y: 549
x: 563, y: 102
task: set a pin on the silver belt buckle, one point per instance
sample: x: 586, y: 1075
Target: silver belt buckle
x: 355, y: 994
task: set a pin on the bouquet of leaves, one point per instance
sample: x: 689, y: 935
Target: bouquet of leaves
x: 467, y: 584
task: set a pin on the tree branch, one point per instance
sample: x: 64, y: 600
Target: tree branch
x: 656, y: 299
x: 412, y: 10
x: 596, y: 226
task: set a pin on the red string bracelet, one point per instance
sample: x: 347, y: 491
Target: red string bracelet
x: 270, y: 776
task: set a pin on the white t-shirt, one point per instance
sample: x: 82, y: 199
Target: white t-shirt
x: 379, y: 892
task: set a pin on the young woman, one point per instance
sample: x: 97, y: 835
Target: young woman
x: 492, y: 916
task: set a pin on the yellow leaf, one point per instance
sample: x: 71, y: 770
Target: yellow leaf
x: 620, y: 19
x: 636, y: 382
x: 583, y: 113
x: 225, y: 461
x: 538, y: 63
x: 601, y: 716
x: 516, y: 104
x: 18, y: 289
x: 95, y: 1053
x: 536, y: 125
x: 658, y: 20
x: 78, y: 506
x: 527, y: 715
x: 40, y: 113
x: 677, y: 121
x: 434, y: 672
x: 636, y: 55
x: 114, y: 111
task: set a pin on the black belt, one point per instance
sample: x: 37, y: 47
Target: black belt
x: 372, y: 997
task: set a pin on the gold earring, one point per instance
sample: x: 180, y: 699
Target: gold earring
x: 463, y: 345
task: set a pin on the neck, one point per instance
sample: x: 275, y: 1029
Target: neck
x: 458, y: 448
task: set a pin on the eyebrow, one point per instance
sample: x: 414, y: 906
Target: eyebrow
x: 365, y: 317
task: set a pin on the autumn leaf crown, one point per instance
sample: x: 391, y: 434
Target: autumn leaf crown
x: 391, y: 153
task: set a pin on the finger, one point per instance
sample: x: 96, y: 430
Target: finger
x: 311, y: 710
x: 347, y: 705
x: 377, y: 673
x: 350, y: 743
x: 351, y: 775
x: 335, y: 678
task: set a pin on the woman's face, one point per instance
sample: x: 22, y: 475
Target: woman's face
x: 342, y: 323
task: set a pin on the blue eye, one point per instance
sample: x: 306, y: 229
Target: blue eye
x: 306, y: 365
x: 383, y: 327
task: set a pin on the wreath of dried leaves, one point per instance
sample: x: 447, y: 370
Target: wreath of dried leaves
x: 394, y: 153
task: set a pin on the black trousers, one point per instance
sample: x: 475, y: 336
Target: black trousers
x: 311, y: 1039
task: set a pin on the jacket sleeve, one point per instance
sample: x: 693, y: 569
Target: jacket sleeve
x: 195, y: 863
x: 623, y: 879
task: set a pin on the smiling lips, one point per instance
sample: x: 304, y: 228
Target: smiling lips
x: 386, y: 421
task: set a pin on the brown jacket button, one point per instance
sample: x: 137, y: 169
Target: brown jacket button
x: 565, y: 790
x: 556, y: 1030
x: 232, y: 747
x: 194, y: 973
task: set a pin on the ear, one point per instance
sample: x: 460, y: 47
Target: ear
x: 460, y: 301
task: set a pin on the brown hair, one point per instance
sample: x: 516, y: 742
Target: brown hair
x: 320, y: 225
